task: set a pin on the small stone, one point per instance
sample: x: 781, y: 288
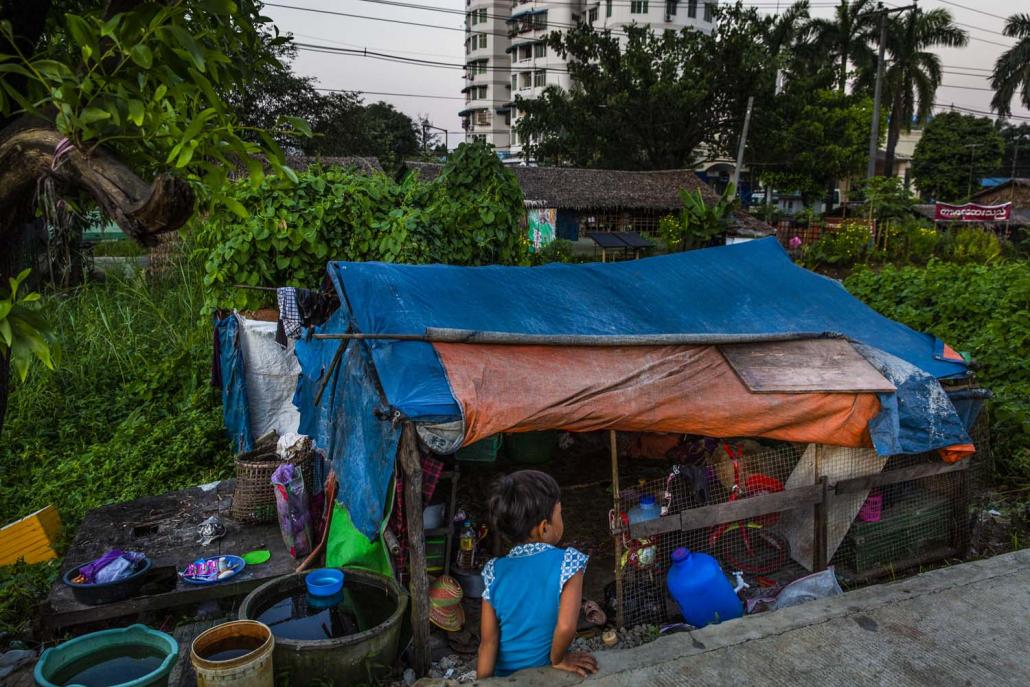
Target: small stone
x: 409, y: 677
x: 448, y: 662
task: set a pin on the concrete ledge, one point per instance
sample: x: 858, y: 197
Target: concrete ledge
x: 622, y: 667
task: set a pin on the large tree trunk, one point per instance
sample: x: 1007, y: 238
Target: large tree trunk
x: 142, y: 210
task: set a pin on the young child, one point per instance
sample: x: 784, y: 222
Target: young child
x: 533, y: 595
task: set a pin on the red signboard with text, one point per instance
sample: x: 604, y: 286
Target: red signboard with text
x: 972, y: 212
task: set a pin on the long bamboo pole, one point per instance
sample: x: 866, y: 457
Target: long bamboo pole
x: 444, y: 335
x: 620, y: 616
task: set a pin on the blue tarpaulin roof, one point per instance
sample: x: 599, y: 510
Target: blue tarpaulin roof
x: 746, y: 288
x: 740, y: 290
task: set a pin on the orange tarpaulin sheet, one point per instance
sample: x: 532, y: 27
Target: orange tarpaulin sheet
x: 683, y: 389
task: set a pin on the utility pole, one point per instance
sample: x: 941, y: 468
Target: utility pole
x: 425, y: 138
x: 874, y: 135
x: 743, y: 143
x: 972, y: 156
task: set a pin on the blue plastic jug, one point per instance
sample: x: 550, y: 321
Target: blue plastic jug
x: 646, y: 509
x: 703, y: 593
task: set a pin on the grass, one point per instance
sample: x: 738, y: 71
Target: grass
x: 120, y: 248
x: 129, y: 412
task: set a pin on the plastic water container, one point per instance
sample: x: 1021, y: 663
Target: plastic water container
x: 646, y: 509
x: 703, y: 593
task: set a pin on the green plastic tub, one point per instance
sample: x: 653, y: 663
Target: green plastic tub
x: 121, y: 653
x: 482, y: 451
x: 364, y: 657
x: 531, y: 447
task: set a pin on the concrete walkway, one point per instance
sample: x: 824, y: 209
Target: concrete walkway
x: 967, y: 624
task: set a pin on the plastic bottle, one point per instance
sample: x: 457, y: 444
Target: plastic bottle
x: 646, y: 509
x: 702, y: 591
x: 467, y: 546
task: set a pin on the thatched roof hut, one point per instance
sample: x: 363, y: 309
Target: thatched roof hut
x: 596, y: 190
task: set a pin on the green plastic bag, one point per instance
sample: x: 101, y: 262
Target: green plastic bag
x: 346, y: 547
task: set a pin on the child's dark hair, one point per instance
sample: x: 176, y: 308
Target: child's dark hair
x: 520, y: 501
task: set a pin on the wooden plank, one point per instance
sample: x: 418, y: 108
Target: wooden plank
x: 419, y: 585
x: 808, y: 365
x: 864, y: 484
x: 838, y: 464
x: 730, y: 511
x: 73, y: 613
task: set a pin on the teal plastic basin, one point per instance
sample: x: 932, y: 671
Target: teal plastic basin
x: 55, y: 659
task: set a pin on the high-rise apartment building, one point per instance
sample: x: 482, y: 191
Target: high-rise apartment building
x: 506, y: 52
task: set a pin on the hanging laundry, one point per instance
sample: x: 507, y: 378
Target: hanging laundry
x: 289, y: 314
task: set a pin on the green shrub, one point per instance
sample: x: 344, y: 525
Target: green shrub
x: 982, y: 309
x: 909, y: 240
x: 972, y: 245
x: 21, y: 588
x: 558, y: 250
x: 471, y: 214
x: 849, y: 244
x: 698, y: 223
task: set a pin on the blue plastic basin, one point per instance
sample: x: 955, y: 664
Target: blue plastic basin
x: 324, y: 582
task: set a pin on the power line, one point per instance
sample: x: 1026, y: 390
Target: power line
x: 389, y: 57
x: 973, y: 9
x: 363, y: 16
x: 965, y: 88
x: 978, y: 112
x: 399, y: 95
x: 353, y: 45
x: 972, y: 69
x: 464, y: 29
x: 976, y: 28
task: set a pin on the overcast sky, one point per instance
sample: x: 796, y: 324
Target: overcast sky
x: 436, y: 91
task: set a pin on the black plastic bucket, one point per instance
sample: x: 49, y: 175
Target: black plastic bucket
x: 108, y: 592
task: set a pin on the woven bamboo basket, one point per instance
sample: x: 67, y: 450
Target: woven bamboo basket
x: 253, y: 500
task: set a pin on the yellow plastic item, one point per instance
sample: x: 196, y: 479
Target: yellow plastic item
x: 32, y: 538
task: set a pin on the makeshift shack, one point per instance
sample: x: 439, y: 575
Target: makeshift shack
x: 727, y: 342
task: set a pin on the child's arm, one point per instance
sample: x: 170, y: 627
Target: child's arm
x: 565, y: 631
x: 489, y: 639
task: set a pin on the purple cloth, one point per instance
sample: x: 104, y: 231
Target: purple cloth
x: 90, y: 570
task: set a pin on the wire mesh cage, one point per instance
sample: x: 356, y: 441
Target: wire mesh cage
x: 865, y: 514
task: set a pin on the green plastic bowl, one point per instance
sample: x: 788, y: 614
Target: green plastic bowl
x: 58, y: 657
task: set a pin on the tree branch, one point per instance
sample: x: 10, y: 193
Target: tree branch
x: 142, y: 210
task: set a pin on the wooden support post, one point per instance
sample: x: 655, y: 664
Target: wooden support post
x: 822, y: 511
x: 419, y: 582
x: 620, y: 616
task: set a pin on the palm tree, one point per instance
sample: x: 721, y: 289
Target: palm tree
x: 913, y: 73
x: 785, y: 30
x: 846, y: 37
x: 1012, y: 70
